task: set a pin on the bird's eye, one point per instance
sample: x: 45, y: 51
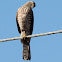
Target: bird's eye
x: 32, y: 5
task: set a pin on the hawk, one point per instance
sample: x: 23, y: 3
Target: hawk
x: 25, y: 19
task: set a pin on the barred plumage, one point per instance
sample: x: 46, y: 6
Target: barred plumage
x: 24, y: 19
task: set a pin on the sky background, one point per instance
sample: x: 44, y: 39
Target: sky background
x: 47, y: 18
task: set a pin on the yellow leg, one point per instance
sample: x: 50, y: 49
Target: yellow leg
x: 24, y: 35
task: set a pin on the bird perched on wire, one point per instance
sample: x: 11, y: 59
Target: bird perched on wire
x: 25, y: 19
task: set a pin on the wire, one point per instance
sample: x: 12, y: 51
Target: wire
x: 36, y: 35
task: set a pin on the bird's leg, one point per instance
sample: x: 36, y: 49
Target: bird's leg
x: 24, y: 38
x: 24, y: 35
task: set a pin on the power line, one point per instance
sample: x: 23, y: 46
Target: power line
x: 36, y: 35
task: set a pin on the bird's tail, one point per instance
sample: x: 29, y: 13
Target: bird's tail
x: 26, y: 51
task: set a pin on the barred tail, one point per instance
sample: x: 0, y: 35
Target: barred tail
x: 26, y: 51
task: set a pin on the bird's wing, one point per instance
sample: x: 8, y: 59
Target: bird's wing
x: 32, y: 21
x: 17, y: 23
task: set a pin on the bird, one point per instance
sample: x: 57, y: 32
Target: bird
x: 25, y: 21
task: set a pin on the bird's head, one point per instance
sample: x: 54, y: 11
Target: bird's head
x: 31, y: 4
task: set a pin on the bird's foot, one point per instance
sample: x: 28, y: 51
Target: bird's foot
x: 24, y: 35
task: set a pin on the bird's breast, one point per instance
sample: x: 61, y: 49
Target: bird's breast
x: 24, y: 19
